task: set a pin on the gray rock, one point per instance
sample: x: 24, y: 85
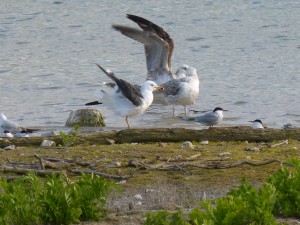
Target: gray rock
x: 85, y: 118
x: 187, y: 144
x: 10, y: 147
x: 48, y: 143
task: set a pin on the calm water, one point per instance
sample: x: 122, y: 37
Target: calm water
x: 247, y: 54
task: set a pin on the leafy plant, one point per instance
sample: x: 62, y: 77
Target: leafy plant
x: 92, y: 196
x: 59, y: 201
x: 166, y: 218
x: 55, y: 200
x: 245, y: 205
x: 287, y: 184
x: 69, y: 139
x: 17, y: 202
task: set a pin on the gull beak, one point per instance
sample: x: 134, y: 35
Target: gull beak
x: 159, y: 88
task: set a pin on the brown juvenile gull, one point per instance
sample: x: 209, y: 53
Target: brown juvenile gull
x: 183, y: 91
x: 126, y: 99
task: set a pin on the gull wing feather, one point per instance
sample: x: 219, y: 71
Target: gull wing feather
x: 158, y: 45
x: 131, y: 92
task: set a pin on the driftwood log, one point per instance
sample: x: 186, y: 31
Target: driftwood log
x: 151, y: 135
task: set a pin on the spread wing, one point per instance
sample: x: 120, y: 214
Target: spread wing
x: 158, y: 44
x: 132, y: 93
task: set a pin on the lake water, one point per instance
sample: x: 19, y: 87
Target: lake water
x: 247, y: 54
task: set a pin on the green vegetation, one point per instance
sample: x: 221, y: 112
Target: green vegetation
x: 280, y: 195
x: 57, y: 200
x: 69, y: 139
x: 287, y: 184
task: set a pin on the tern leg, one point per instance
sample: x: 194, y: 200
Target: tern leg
x: 126, y: 118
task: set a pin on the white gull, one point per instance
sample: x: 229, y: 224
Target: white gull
x: 126, y: 99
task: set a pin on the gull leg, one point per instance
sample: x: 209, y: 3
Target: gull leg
x: 173, y: 113
x: 126, y: 118
x: 185, y: 109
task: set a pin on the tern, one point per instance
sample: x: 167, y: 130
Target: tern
x: 257, y: 124
x: 209, y: 119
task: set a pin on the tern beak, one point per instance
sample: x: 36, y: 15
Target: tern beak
x: 251, y: 121
x: 225, y: 110
x: 159, y: 88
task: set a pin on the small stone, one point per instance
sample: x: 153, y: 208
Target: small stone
x: 114, y: 164
x: 48, y: 143
x: 187, y: 144
x: 248, y: 157
x: 204, y: 142
x: 162, y: 144
x: 133, y: 163
x: 224, y: 153
x: 51, y: 133
x: 111, y: 141
x: 253, y: 149
x: 10, y: 147
x: 85, y: 118
x: 139, y: 203
x: 117, y: 164
x: 138, y: 197
x: 121, y: 182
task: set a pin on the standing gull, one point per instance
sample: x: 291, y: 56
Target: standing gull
x: 158, y: 47
x: 183, y: 91
x: 209, y: 119
x: 126, y: 99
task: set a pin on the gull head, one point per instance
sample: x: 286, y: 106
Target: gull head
x: 151, y: 86
x: 181, y: 71
x: 191, y: 72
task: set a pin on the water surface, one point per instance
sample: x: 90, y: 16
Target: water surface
x: 247, y: 55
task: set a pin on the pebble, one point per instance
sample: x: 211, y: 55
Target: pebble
x: 133, y: 162
x: 204, y: 142
x: 187, y: 144
x: 10, y: 147
x: 224, y: 153
x: 138, y: 197
x: 253, y: 149
x: 47, y: 143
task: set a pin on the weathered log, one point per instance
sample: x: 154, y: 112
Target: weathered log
x: 217, y: 134
x: 168, y: 135
x: 22, y: 171
x: 105, y: 175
